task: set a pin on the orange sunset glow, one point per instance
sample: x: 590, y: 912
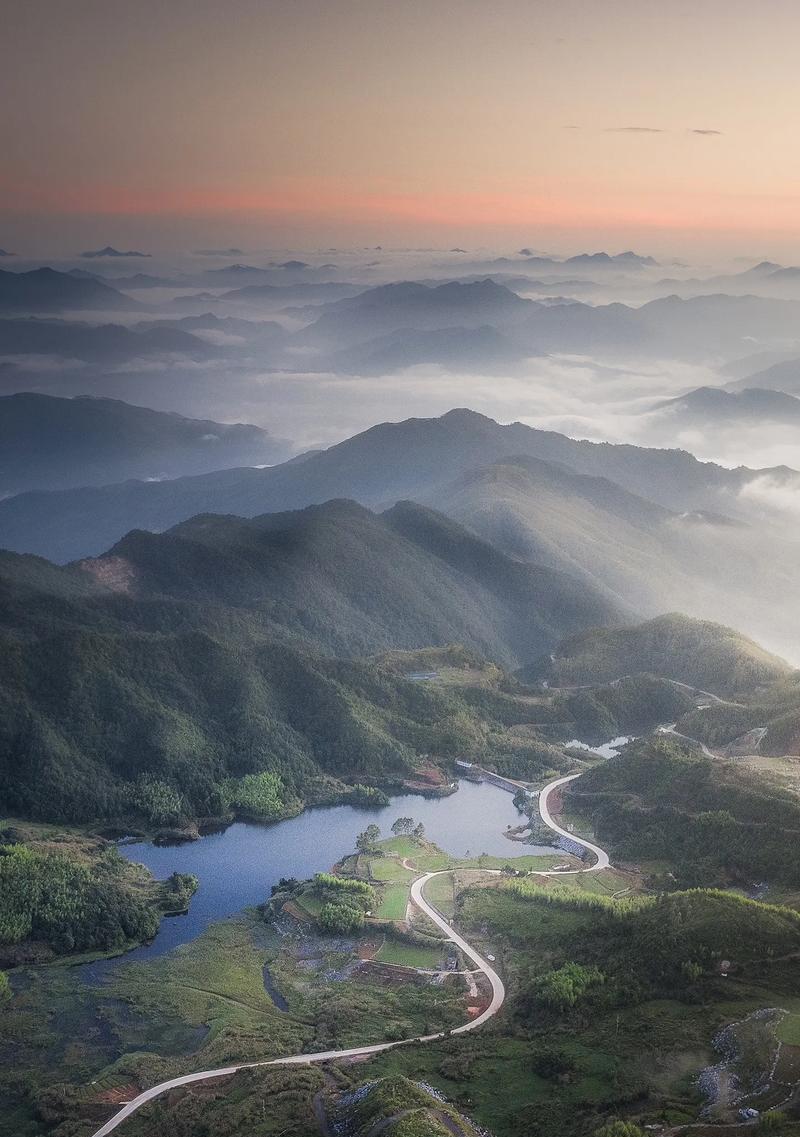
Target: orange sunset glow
x: 398, y: 121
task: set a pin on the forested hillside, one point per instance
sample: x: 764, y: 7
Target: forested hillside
x: 351, y: 582
x: 190, y: 674
x: 773, y: 713
x: 711, y: 821
x: 698, y: 653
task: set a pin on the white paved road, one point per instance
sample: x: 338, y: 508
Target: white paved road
x: 481, y: 964
x: 601, y: 862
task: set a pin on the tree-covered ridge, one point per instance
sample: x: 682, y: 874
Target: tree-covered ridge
x: 613, y: 952
x: 158, y: 682
x: 699, y: 653
x: 712, y: 821
x: 173, y: 725
x: 350, y: 582
x: 774, y: 713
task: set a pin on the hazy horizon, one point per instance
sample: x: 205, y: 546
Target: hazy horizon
x: 330, y: 122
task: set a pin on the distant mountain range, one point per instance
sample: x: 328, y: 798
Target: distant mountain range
x: 416, y: 459
x: 627, y: 260
x: 45, y: 290
x: 53, y: 443
x: 110, y: 251
x: 103, y: 343
x: 471, y: 324
x: 698, y: 328
x: 783, y: 376
x: 746, y: 404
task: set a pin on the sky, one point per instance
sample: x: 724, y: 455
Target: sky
x: 654, y: 124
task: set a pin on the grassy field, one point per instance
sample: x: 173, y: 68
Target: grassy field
x: 428, y: 858
x: 789, y: 1029
x: 390, y: 869
x: 440, y: 892
x: 393, y: 902
x: 410, y: 955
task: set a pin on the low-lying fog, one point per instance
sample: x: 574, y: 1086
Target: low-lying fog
x: 245, y: 345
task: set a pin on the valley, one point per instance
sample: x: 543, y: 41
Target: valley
x: 440, y: 777
x: 400, y: 572
x: 215, y: 977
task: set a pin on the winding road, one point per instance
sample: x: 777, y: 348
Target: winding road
x: 417, y: 896
x: 688, y: 687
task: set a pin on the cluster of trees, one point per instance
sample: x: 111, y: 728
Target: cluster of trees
x: 340, y: 918
x: 566, y: 986
x: 177, y: 890
x: 369, y: 796
x: 257, y: 795
x: 345, y: 903
x: 408, y: 827
x: 69, y: 905
x: 156, y: 800
x: 367, y: 841
x: 619, y: 1129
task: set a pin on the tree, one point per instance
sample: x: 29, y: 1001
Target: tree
x: 564, y: 987
x: 341, y: 919
x: 619, y: 1129
x: 366, y: 841
x: 5, y: 987
x: 257, y: 795
x: 419, y: 832
x: 160, y: 803
x: 403, y: 826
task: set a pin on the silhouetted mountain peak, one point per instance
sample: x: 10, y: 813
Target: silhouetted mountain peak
x: 110, y: 251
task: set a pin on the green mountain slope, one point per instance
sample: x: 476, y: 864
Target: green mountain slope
x: 148, y: 679
x: 711, y: 821
x: 698, y: 653
x: 351, y: 583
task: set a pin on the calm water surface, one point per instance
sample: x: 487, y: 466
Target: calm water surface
x: 608, y: 749
x: 239, y: 866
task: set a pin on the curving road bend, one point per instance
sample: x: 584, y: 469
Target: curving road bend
x: 417, y: 895
x: 602, y: 861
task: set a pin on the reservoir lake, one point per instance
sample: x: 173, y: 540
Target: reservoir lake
x: 238, y: 866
